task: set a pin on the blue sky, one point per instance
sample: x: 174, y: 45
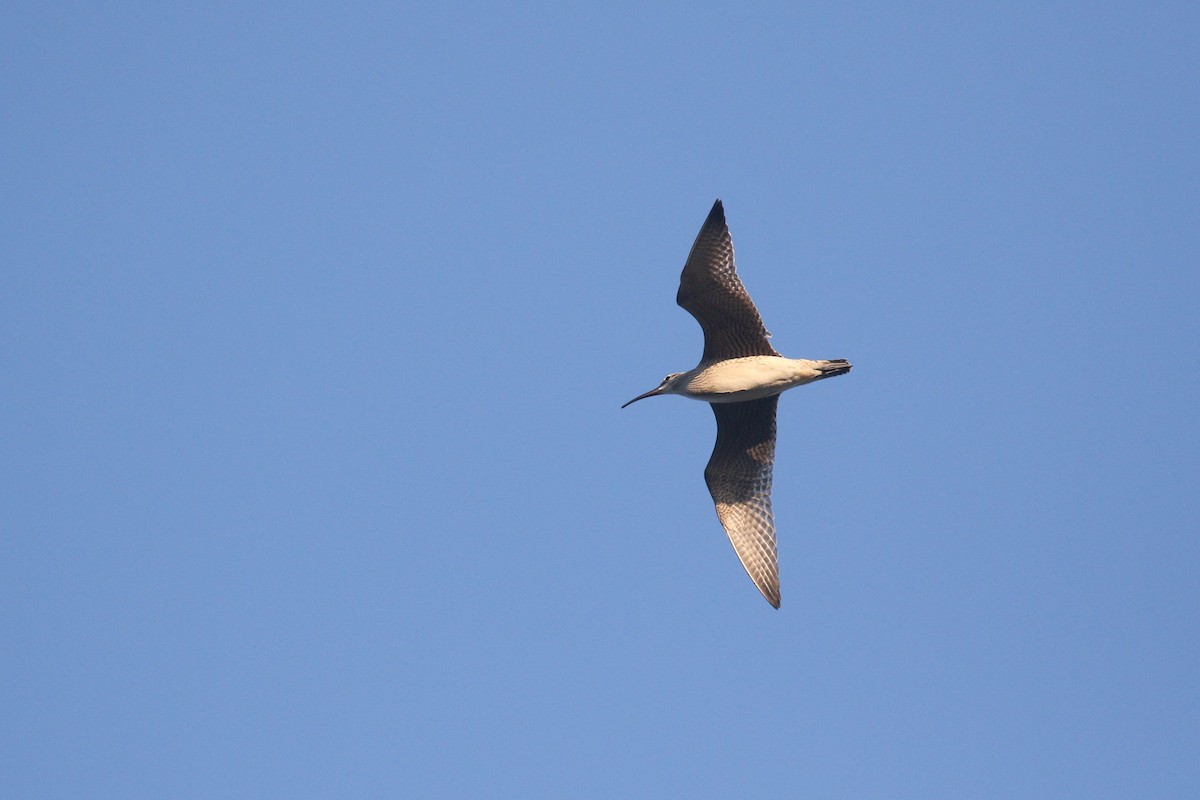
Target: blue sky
x: 316, y: 322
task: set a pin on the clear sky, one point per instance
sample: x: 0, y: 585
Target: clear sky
x: 315, y: 322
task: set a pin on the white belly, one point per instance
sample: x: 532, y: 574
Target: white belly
x: 750, y: 378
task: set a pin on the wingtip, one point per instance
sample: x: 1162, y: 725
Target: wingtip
x: 715, y: 221
x: 767, y: 585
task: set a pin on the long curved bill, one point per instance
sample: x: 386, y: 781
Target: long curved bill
x: 651, y: 393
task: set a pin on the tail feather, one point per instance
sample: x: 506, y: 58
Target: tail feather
x: 833, y: 367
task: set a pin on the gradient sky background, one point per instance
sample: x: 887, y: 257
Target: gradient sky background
x: 315, y: 324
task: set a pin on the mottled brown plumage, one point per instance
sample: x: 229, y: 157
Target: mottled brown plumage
x: 739, y: 479
x: 710, y: 290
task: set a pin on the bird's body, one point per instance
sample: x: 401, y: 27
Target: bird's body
x: 749, y: 378
x: 741, y: 376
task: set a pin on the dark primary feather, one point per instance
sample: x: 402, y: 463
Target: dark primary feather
x: 739, y: 479
x: 710, y: 290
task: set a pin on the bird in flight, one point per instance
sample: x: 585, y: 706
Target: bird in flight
x: 741, y: 376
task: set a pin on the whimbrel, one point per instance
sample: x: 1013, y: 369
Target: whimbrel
x: 741, y: 375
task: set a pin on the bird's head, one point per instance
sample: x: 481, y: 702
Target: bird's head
x: 666, y: 387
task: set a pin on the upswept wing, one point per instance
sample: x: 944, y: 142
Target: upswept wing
x: 710, y: 290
